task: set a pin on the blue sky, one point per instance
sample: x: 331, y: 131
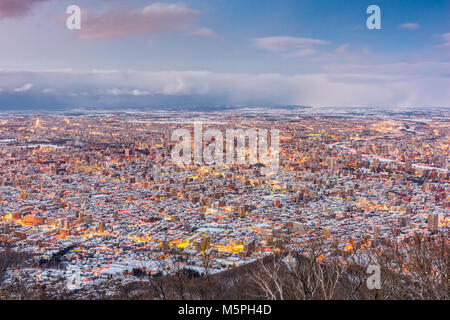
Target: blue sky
x: 306, y: 52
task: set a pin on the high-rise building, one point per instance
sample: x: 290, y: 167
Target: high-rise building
x: 326, y: 233
x: 433, y: 222
x: 401, y: 222
x: 408, y: 166
x: 101, y: 227
x: 375, y: 164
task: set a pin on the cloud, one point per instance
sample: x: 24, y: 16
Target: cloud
x: 446, y: 38
x: 48, y: 90
x: 137, y: 92
x: 127, y: 21
x: 287, y: 44
x: 409, y: 26
x: 396, y: 86
x: 297, y: 47
x: 24, y: 88
x: 204, y: 32
x: 344, y: 50
x: 17, y: 8
x: 302, y: 53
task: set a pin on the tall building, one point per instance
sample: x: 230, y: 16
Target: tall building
x: 433, y: 222
x: 101, y: 227
x: 375, y: 164
x: 401, y: 222
x: 408, y: 166
x: 326, y: 233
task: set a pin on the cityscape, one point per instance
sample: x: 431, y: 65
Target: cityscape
x: 216, y: 158
x: 97, y: 197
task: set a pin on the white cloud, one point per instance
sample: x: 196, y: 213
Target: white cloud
x: 312, y: 49
x: 155, y: 18
x: 284, y: 43
x: 48, y: 90
x: 345, y: 50
x: 395, y: 85
x: 115, y: 92
x: 122, y: 92
x: 446, y: 38
x: 204, y: 32
x: 137, y: 92
x: 302, y: 53
x: 24, y: 88
x: 409, y: 26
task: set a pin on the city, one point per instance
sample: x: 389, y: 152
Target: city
x: 219, y: 159
x: 97, y: 197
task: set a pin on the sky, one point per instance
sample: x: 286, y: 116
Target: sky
x: 134, y: 53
